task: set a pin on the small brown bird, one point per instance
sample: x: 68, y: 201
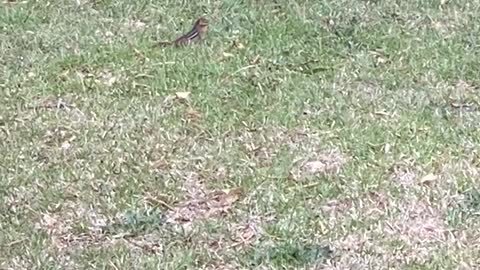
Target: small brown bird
x: 195, y: 35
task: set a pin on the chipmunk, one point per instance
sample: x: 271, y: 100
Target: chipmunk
x: 195, y: 35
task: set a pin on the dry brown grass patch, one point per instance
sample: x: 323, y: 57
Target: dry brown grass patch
x: 73, y: 227
x: 418, y: 223
x: 201, y: 203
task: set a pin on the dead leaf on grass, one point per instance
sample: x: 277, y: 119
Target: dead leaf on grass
x: 381, y: 113
x: 226, y: 197
x: 314, y: 167
x: 204, y: 206
x: 387, y: 148
x: 182, y: 96
x: 328, y: 163
x: 237, y: 45
x: 428, y: 179
x: 227, y: 55
x: 324, y: 163
x: 193, y: 114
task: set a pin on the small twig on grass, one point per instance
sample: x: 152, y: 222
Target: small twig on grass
x: 159, y: 201
x: 15, y: 242
x: 243, y: 68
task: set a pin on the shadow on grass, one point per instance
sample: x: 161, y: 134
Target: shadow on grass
x: 138, y: 222
x: 289, y: 254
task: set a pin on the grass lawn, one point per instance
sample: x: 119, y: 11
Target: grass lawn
x: 301, y: 135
